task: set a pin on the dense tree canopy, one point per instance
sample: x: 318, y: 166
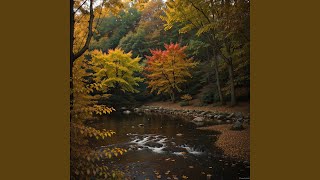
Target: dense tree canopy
x: 225, y: 23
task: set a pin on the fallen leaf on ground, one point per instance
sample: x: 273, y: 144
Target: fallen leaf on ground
x: 184, y: 177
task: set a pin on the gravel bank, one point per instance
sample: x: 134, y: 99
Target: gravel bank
x: 233, y: 143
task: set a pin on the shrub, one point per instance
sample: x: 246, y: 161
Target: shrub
x: 185, y: 100
x: 186, y: 97
x: 184, y: 103
x: 207, y: 98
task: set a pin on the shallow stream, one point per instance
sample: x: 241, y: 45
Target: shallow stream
x: 164, y: 147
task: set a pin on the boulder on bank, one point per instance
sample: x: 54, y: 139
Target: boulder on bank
x: 237, y: 126
x: 198, y: 119
x: 221, y: 117
x: 198, y: 123
x: 238, y: 115
x: 230, y: 116
x: 203, y: 113
x: 209, y: 115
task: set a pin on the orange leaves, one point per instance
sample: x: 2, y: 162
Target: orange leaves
x: 167, y: 70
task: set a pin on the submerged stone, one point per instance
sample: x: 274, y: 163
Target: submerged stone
x: 126, y: 112
x: 153, y: 144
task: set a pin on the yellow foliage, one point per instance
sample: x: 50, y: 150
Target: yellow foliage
x: 85, y: 160
x: 102, y: 9
x: 186, y: 97
x: 116, y: 69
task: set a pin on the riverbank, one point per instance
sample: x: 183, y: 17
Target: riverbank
x: 234, y: 143
x: 198, y: 115
x: 243, y: 107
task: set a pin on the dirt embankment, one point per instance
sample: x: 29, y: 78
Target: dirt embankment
x: 233, y: 143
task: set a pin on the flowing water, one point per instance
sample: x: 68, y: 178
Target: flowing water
x: 164, y: 147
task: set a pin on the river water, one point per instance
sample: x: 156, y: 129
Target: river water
x: 164, y: 147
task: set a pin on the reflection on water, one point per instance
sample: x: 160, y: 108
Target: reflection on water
x: 162, y: 147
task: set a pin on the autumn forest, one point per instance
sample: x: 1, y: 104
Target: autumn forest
x: 157, y: 85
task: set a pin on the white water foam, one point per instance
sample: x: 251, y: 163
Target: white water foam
x: 179, y: 153
x: 157, y: 150
x: 163, y: 140
x: 143, y: 140
x: 192, y: 150
x: 150, y: 138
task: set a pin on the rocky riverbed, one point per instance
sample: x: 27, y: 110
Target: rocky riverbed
x: 200, y: 117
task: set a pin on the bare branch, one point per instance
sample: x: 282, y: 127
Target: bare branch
x: 200, y: 10
x: 86, y: 45
x: 80, y: 6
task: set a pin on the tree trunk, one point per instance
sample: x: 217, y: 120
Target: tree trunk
x: 76, y: 55
x: 216, y: 68
x: 232, y: 89
x: 173, y: 97
x: 230, y: 70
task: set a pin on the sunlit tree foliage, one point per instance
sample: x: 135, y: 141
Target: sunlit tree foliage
x: 168, y: 69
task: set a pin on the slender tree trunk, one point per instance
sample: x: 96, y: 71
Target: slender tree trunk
x: 232, y: 89
x: 231, y: 76
x: 173, y: 95
x: 208, y: 59
x: 216, y: 68
x: 228, y: 60
x: 74, y: 56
